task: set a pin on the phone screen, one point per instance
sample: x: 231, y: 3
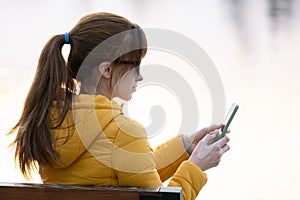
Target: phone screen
x: 229, y: 118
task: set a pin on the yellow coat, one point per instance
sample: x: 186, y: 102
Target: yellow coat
x: 98, y: 145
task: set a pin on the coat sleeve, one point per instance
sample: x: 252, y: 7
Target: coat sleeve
x: 132, y: 158
x: 168, y: 157
x: 190, y: 178
x: 171, y: 160
x: 135, y: 165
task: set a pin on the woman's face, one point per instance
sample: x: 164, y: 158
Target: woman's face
x: 127, y: 84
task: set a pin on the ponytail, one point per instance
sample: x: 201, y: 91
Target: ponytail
x: 51, y: 82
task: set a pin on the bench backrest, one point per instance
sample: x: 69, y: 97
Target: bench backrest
x: 24, y: 191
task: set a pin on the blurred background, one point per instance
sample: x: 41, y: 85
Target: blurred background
x: 254, y: 46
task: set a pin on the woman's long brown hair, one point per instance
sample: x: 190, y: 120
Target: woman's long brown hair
x: 54, y: 80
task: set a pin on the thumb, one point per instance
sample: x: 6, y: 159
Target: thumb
x: 209, y: 138
x: 204, y: 149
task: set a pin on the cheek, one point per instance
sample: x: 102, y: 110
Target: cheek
x: 123, y: 86
x: 127, y: 81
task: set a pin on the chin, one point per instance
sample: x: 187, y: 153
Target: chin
x: 126, y: 98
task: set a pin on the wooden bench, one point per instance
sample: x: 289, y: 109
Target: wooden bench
x: 26, y: 191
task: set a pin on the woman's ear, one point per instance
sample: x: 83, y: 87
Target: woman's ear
x: 105, y: 69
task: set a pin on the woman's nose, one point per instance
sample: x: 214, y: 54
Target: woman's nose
x: 139, y: 77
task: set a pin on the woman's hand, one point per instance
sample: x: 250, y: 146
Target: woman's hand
x: 197, y: 136
x: 207, y: 154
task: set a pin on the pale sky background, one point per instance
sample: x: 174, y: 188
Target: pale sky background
x: 255, y: 47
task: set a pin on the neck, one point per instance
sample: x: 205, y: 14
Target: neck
x: 102, y: 89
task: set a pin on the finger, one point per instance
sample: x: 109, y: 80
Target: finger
x: 200, y: 134
x: 210, y: 137
x: 212, y: 130
x: 214, y: 127
x: 225, y: 149
x: 204, y: 149
x: 223, y: 141
x: 217, y: 133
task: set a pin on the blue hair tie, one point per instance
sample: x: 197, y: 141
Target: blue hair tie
x: 67, y: 38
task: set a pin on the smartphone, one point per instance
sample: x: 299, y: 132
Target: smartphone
x: 231, y: 113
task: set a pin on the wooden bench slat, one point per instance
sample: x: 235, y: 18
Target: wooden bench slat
x: 26, y: 191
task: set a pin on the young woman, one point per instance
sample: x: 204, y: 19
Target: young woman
x: 79, y: 135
